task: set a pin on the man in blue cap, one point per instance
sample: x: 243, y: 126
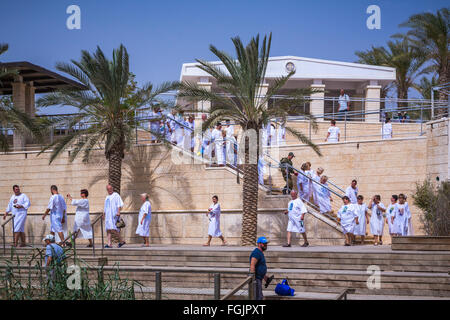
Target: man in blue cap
x: 258, y: 266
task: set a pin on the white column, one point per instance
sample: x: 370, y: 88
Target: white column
x: 373, y: 92
x: 18, y: 99
x: 30, y: 108
x: 317, y: 104
x: 204, y: 106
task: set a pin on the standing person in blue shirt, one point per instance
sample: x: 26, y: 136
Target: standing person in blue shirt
x: 344, y: 105
x: 258, y: 267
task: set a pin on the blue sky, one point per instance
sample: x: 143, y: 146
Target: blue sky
x: 161, y: 35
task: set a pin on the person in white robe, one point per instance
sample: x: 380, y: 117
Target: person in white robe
x: 377, y: 217
x: 261, y: 169
x: 189, y: 139
x: 403, y: 217
x: 281, y: 134
x: 363, y: 219
x: 179, y: 130
x: 144, y: 219
x: 229, y: 129
x: 171, y: 126
x: 386, y: 129
x: 111, y: 214
x: 272, y: 135
x: 303, y: 182
x: 352, y: 192
x: 154, y: 124
x: 391, y: 212
x: 58, y: 215
x: 324, y: 196
x: 348, y: 218
x: 18, y: 206
x: 218, y: 141
x: 315, y: 183
x: 82, y: 221
x: 214, y: 222
x: 296, y: 219
x: 232, y: 150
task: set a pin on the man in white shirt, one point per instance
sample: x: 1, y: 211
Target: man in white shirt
x: 296, y: 213
x: 352, y: 192
x: 334, y: 134
x: 18, y: 206
x: 344, y: 105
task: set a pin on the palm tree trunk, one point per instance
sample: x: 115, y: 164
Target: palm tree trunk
x: 443, y: 79
x: 250, y: 199
x: 115, y: 170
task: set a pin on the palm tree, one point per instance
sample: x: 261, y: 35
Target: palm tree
x: 424, y: 87
x: 109, y: 106
x: 430, y: 33
x: 238, y: 98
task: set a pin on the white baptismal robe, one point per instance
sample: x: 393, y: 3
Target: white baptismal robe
x: 391, y: 211
x: 112, y: 203
x: 296, y: 208
x: 82, y: 219
x: 347, y: 214
x: 323, y: 198
x: 218, y: 145
x: 214, y: 220
x: 143, y: 229
x: 20, y: 215
x: 352, y: 194
x: 360, y: 229
x: 58, y: 210
x: 377, y: 220
x: 401, y: 220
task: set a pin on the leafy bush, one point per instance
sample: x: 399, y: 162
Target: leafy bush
x: 35, y: 282
x: 434, y: 202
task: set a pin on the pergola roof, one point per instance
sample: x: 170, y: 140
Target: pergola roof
x: 43, y: 79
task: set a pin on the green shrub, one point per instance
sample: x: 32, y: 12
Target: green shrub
x: 434, y: 202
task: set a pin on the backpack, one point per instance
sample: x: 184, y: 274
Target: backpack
x: 283, y: 289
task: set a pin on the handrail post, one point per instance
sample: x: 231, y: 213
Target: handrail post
x: 101, y: 228
x: 216, y: 286
x: 93, y: 239
x: 4, y: 239
x: 158, y: 288
x: 251, y: 287
x: 345, y: 126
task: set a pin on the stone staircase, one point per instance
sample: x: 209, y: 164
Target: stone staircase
x: 314, y: 272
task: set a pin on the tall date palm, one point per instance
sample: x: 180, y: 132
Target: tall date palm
x: 238, y: 98
x: 108, y: 106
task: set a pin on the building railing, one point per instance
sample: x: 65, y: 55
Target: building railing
x: 343, y: 294
x: 4, y: 231
x: 250, y: 281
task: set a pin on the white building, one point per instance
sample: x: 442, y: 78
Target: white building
x: 358, y: 80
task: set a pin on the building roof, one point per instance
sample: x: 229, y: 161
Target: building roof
x: 43, y: 79
x: 307, y: 69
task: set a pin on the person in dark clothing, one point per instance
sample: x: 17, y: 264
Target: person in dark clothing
x: 286, y: 170
x: 259, y: 268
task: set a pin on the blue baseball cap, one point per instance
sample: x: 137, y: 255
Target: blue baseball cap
x: 262, y: 240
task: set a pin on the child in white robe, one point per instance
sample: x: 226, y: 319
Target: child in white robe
x: 347, y: 217
x: 377, y: 217
x: 363, y: 218
x: 144, y: 219
x: 403, y: 217
x: 214, y: 222
x: 391, y: 212
x: 324, y: 196
x: 82, y: 221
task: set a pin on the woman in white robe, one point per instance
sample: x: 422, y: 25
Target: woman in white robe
x: 82, y: 221
x: 377, y: 217
x: 281, y: 134
x: 214, y: 222
x: 348, y: 218
x: 316, y: 186
x: 303, y: 182
x: 386, y: 129
x: 18, y: 206
x: 324, y: 196
x: 144, y: 219
x: 403, y: 217
x: 363, y: 218
x: 391, y: 212
x: 155, y: 123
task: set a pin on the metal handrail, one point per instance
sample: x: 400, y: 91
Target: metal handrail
x: 343, y: 294
x: 4, y: 233
x: 250, y: 280
x: 100, y: 217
